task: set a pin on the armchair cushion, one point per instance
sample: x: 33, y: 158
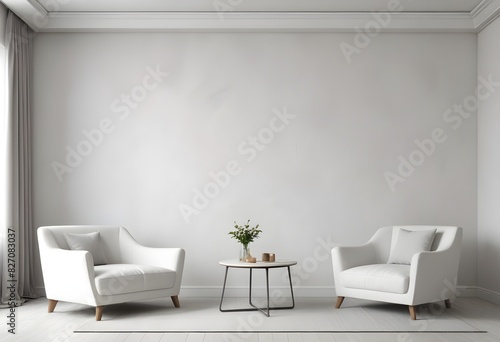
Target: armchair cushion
x: 391, y: 278
x: 116, y: 279
x: 87, y: 242
x: 410, y: 242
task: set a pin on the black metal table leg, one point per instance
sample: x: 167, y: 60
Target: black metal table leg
x: 267, y: 313
x: 267, y: 288
x: 223, y: 289
x: 250, y: 289
x: 222, y: 297
x: 291, y: 287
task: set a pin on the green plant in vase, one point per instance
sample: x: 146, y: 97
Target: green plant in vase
x: 245, y: 235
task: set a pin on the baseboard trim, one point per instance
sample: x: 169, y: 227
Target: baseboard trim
x: 466, y: 291
x: 488, y: 295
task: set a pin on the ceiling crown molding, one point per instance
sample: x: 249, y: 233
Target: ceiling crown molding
x: 42, y: 21
x: 30, y: 11
x: 485, y: 13
x: 480, y: 8
x: 258, y: 22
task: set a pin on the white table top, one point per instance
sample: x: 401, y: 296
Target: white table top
x: 258, y: 264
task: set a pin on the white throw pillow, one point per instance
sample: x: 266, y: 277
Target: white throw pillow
x: 410, y: 242
x: 88, y: 242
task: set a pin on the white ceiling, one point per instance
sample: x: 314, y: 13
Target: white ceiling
x: 255, y: 15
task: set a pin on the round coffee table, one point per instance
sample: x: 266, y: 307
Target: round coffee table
x: 266, y: 265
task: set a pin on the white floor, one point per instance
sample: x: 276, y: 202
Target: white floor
x: 33, y: 323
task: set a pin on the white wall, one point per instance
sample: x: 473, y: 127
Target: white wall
x: 320, y: 178
x: 489, y: 168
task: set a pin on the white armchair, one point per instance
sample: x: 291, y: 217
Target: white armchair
x: 364, y: 272
x: 131, y: 272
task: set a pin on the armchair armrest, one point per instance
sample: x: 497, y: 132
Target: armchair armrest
x: 433, y: 275
x: 68, y: 275
x: 346, y: 257
x: 132, y: 252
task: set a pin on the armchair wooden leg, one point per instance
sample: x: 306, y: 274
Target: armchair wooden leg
x: 413, y: 312
x: 52, y: 305
x: 175, y: 300
x: 340, y: 300
x: 98, y: 313
x: 447, y: 303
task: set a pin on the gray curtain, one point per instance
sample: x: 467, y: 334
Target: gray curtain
x: 19, y: 248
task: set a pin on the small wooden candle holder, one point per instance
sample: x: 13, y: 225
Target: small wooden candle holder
x: 272, y: 257
x: 251, y: 259
x: 265, y: 256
